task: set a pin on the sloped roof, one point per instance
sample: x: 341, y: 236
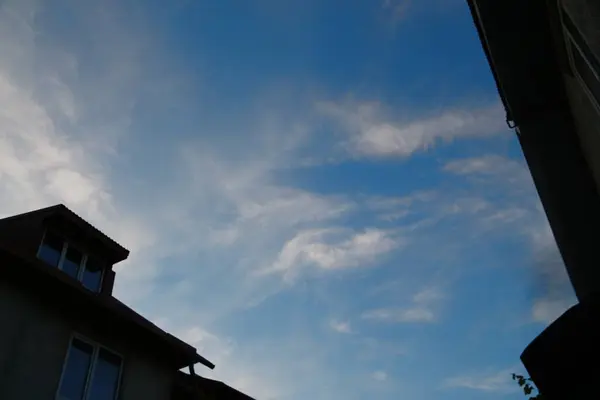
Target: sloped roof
x: 199, y: 387
x: 113, y: 250
x: 517, y: 40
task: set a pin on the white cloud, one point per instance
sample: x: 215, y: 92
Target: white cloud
x: 506, y: 216
x: 493, y: 382
x: 465, y: 205
x: 331, y: 249
x: 421, y: 309
x: 340, y: 326
x: 379, y: 376
x: 487, y: 164
x: 554, y: 291
x: 395, y: 208
x: 428, y: 295
x: 546, y: 310
x: 509, y: 170
x: 373, y: 134
x: 414, y: 314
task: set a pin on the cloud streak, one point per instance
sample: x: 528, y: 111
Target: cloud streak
x: 340, y: 326
x: 492, y: 382
x: 371, y: 132
x: 334, y: 249
x: 421, y: 309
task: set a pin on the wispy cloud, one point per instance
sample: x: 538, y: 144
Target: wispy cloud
x: 522, y: 212
x: 494, y: 381
x: 554, y: 293
x: 414, y: 314
x: 371, y: 132
x: 340, y: 326
x: 421, y: 309
x: 379, y: 376
x: 546, y: 310
x: 336, y: 248
x: 510, y: 170
x: 396, y: 208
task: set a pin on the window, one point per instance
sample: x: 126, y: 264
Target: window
x: 582, y: 58
x: 92, y: 274
x: 51, y: 249
x: 57, y: 252
x: 72, y: 261
x: 91, y: 372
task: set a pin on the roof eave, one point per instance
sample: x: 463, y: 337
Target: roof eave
x: 488, y: 54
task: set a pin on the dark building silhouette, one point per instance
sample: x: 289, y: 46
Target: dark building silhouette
x: 545, y: 59
x: 62, y: 333
x: 194, y: 387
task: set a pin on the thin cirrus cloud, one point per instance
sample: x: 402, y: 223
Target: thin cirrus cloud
x: 512, y: 171
x: 371, y: 132
x: 422, y: 309
x: 489, y: 381
x: 553, y: 292
x: 379, y: 376
x: 340, y: 326
x: 334, y: 249
x: 488, y: 164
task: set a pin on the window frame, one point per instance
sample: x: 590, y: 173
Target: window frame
x: 572, y: 45
x: 90, y: 373
x: 63, y: 254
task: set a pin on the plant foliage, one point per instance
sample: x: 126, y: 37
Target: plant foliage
x: 528, y: 387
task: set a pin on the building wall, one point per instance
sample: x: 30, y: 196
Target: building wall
x: 587, y: 121
x: 585, y: 15
x: 22, y: 235
x: 33, y: 345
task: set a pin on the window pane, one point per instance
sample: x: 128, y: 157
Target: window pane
x: 106, y: 376
x: 92, y: 274
x: 72, y: 261
x: 51, y: 249
x: 76, y: 370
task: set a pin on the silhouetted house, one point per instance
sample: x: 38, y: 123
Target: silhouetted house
x: 194, y: 387
x: 545, y: 58
x: 62, y: 333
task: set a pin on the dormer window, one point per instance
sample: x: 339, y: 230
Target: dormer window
x: 51, y: 249
x: 59, y: 253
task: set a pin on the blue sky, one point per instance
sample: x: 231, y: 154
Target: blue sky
x: 321, y: 196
